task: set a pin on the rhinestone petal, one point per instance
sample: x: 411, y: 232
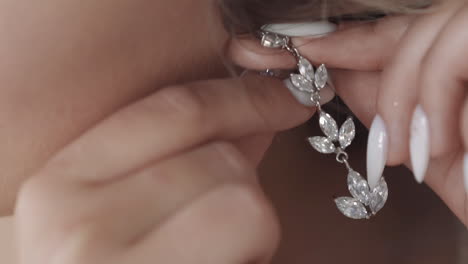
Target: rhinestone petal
x: 358, y: 187
x: 321, y: 77
x: 272, y: 40
x: 351, y: 207
x: 347, y: 133
x: 301, y: 83
x: 379, y: 196
x: 315, y: 97
x: 328, y: 126
x: 322, y: 144
x: 306, y: 68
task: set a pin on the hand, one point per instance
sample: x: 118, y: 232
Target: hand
x: 89, y: 59
x: 389, y: 68
x: 168, y: 179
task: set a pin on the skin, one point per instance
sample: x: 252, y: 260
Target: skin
x: 117, y: 153
x: 398, y: 63
x: 154, y: 156
x: 62, y: 77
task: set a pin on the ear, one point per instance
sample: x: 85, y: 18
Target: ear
x: 365, y: 47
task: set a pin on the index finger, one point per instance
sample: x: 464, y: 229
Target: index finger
x: 179, y: 118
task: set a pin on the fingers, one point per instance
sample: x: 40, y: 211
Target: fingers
x: 443, y: 174
x: 399, y: 91
x: 254, y: 147
x: 444, y: 177
x: 94, y: 198
x: 353, y: 86
x: 364, y: 47
x: 88, y: 222
x: 178, y: 118
x: 232, y: 224
x: 444, y: 72
x: 443, y: 80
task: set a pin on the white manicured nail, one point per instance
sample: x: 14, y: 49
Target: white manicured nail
x: 377, y: 146
x: 465, y: 171
x: 419, y: 143
x: 309, y: 29
x: 326, y: 94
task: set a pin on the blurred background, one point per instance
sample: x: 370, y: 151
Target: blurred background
x: 414, y: 226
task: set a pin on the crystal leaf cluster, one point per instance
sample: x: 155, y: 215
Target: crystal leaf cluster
x: 364, y: 201
x: 355, y: 207
x: 308, y: 79
x: 344, y: 136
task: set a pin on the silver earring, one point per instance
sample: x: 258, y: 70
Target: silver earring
x: 364, y: 201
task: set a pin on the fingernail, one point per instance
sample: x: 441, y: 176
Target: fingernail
x: 377, y: 146
x: 326, y: 94
x: 465, y: 171
x: 309, y: 29
x: 419, y: 143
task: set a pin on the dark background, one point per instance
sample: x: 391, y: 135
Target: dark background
x: 414, y: 226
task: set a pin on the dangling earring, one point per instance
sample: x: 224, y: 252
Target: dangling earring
x: 365, y: 202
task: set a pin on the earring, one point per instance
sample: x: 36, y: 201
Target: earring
x: 364, y: 202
